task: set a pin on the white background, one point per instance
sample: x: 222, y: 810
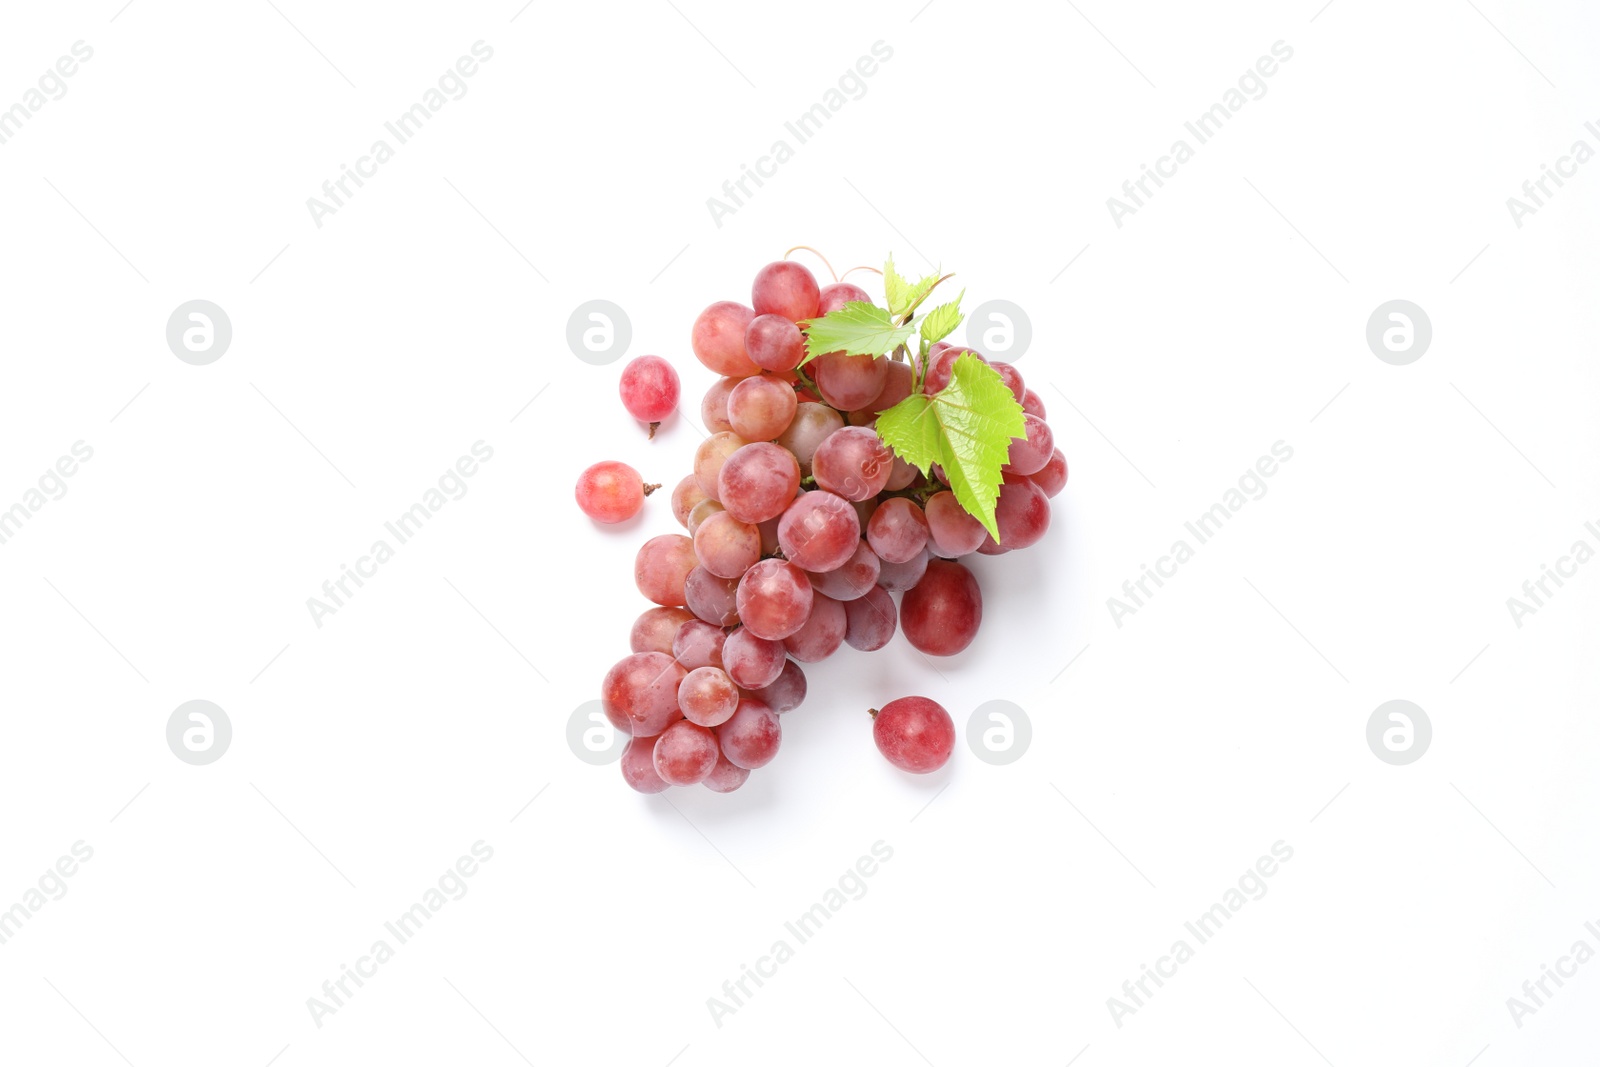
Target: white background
x: 1227, y: 714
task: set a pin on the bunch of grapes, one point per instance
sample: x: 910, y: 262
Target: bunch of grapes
x: 801, y: 525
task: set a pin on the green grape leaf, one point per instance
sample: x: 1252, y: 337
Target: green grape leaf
x: 857, y: 329
x: 942, y: 320
x: 966, y: 429
x: 902, y: 295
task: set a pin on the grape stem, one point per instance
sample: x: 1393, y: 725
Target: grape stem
x: 873, y: 712
x: 805, y: 380
x: 814, y: 252
x: 852, y: 270
x: 651, y: 436
x: 650, y: 487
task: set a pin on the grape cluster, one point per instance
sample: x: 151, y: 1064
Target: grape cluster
x: 801, y: 524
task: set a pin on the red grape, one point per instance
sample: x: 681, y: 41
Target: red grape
x: 785, y: 288
x: 725, y: 777
x: 640, y: 694
x: 819, y: 531
x: 725, y: 546
x: 714, y: 405
x: 654, y: 630
x: 811, y: 426
x: 750, y: 738
x: 915, y: 734
x: 611, y: 492
x: 898, y: 577
x: 1053, y: 477
x: 761, y: 408
x: 870, y: 620
x: 898, y: 530
x: 1029, y: 454
x: 712, y: 599
x: 752, y: 662
x: 708, y: 696
x: 698, y: 644
x: 661, y: 566
x: 649, y: 389
x: 774, y: 599
x: 835, y: 296
x: 718, y: 339
x: 757, y: 482
x: 685, y: 495
x: 822, y: 633
x: 858, y: 575
x: 787, y: 692
x: 853, y: 462
x: 685, y: 753
x: 940, y: 616
x: 709, y: 458
x: 849, y: 382
x: 639, y: 766
x: 774, y: 343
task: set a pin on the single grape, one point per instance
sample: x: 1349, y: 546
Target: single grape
x: 869, y: 622
x: 785, y: 288
x: 899, y: 577
x: 639, y: 766
x: 1029, y: 454
x: 1053, y: 477
x: 725, y: 546
x: 761, y: 408
x: 714, y: 405
x: 718, y: 339
x: 710, y: 598
x: 951, y: 531
x: 701, y: 512
x: 757, y: 482
x: 811, y: 426
x: 858, y: 575
x: 940, y: 616
x: 699, y: 644
x: 774, y: 343
x: 661, y: 566
x: 1031, y: 404
x: 849, y: 382
x: 750, y: 738
x: 787, y: 692
x: 725, y: 777
x: 708, y: 696
x: 752, y: 662
x: 822, y: 633
x: 898, y: 530
x: 774, y: 599
x: 1011, y: 376
x: 709, y: 458
x: 649, y: 388
x: 640, y: 693
x: 819, y: 531
x: 896, y: 386
x: 915, y: 734
x: 835, y: 296
x: 943, y: 365
x: 611, y: 492
x: 685, y: 495
x: 901, y: 476
x: 685, y: 753
x: 1022, y: 514
x: 654, y: 630
x: 853, y: 462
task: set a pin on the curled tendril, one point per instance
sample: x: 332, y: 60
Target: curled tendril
x: 814, y: 252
